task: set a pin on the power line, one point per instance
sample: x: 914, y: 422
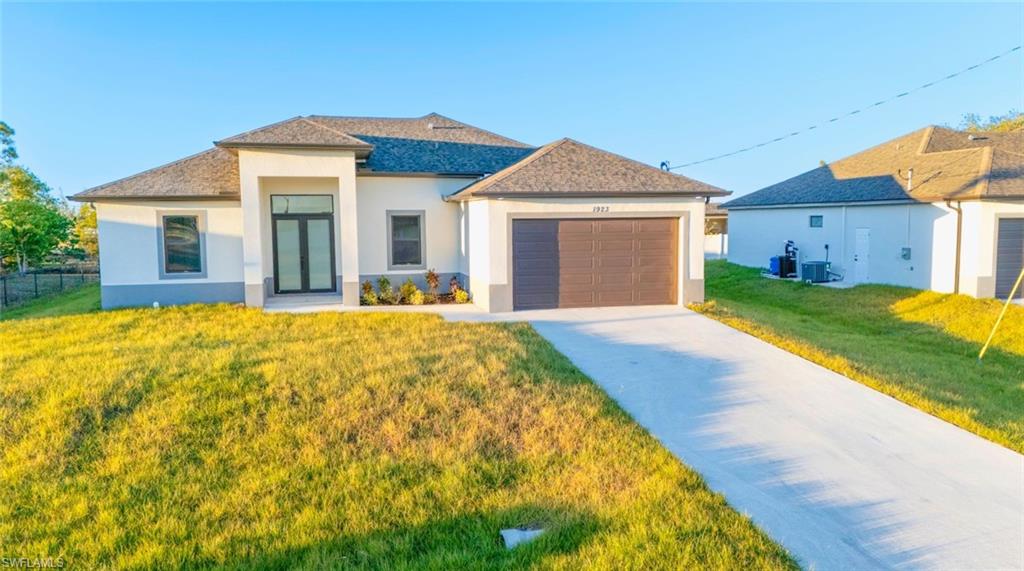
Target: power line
x: 665, y: 164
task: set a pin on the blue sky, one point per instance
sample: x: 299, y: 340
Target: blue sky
x: 100, y: 91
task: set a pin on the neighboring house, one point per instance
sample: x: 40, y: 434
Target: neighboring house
x: 320, y: 204
x: 935, y: 209
x: 716, y: 232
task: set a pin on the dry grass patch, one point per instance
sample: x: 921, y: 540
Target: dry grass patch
x: 227, y: 437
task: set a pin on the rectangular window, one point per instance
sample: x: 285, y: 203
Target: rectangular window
x: 182, y: 251
x: 302, y: 204
x: 817, y: 221
x: 405, y: 240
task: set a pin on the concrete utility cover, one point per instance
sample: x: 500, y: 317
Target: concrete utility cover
x: 843, y: 476
x: 517, y: 536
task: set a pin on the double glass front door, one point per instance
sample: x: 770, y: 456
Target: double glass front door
x: 303, y: 251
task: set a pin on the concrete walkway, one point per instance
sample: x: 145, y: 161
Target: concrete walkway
x: 843, y: 476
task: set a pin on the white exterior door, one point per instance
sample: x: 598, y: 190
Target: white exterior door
x: 862, y: 255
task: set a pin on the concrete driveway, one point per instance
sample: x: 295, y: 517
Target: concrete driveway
x: 843, y: 476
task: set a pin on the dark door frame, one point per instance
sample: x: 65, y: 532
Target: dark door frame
x: 303, y: 219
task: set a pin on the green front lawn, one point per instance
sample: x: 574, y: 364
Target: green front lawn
x: 222, y: 436
x: 79, y: 300
x: 919, y: 347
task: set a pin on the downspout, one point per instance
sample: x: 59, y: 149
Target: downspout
x: 959, y: 234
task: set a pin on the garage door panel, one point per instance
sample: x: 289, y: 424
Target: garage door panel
x: 612, y: 298
x: 577, y: 263
x: 568, y: 228
x: 619, y: 246
x: 576, y: 246
x: 576, y: 280
x: 589, y: 263
x: 616, y: 226
x: 658, y: 225
x: 612, y: 263
x: 1009, y: 255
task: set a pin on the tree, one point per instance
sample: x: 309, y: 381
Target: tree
x: 30, y: 230
x: 85, y: 230
x: 32, y: 223
x: 7, y: 151
x: 1012, y: 121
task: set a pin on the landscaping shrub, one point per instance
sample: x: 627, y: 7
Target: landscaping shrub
x: 407, y: 290
x: 433, y: 282
x: 386, y: 293
x: 461, y: 296
x: 369, y: 296
x: 416, y: 298
x: 454, y: 285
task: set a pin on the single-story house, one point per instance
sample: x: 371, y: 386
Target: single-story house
x: 935, y: 209
x: 319, y: 204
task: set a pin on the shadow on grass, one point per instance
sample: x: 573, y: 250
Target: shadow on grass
x: 464, y: 541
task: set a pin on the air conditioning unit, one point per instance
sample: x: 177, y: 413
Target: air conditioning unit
x: 814, y: 272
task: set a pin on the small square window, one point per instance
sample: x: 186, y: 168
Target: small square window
x: 817, y: 221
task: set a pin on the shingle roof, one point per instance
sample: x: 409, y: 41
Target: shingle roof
x: 715, y: 210
x: 568, y: 167
x: 212, y: 173
x: 430, y: 127
x: 294, y: 132
x: 430, y: 144
x: 947, y: 164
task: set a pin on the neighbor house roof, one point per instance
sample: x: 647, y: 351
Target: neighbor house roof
x: 432, y: 144
x: 570, y: 168
x: 715, y: 210
x: 929, y: 165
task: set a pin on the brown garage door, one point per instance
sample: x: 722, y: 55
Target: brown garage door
x: 593, y: 263
x: 1009, y: 255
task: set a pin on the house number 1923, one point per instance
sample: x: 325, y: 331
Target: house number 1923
x: 600, y: 209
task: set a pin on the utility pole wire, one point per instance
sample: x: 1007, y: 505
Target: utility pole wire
x: 665, y: 165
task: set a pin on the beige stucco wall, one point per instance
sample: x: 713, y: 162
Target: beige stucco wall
x: 262, y: 167
x: 981, y: 226
x: 490, y: 238
x: 376, y: 195
x: 130, y: 252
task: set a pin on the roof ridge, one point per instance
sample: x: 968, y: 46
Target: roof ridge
x: 510, y: 169
x: 984, y: 170
x: 147, y: 171
x: 257, y: 129
x: 333, y: 130
x: 498, y: 135
x: 636, y: 162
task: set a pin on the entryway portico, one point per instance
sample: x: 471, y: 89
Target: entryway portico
x: 294, y: 242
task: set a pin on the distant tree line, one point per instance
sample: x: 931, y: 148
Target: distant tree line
x: 36, y: 227
x: 1012, y: 121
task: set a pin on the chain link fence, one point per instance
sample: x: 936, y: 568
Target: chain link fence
x: 16, y: 288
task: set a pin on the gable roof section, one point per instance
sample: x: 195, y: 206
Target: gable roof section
x: 947, y: 165
x: 212, y: 173
x: 570, y: 168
